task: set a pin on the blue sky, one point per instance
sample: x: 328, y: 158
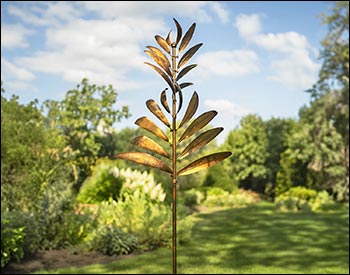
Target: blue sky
x: 257, y: 57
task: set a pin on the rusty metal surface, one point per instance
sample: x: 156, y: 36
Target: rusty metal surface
x: 145, y: 159
x: 185, y: 84
x: 161, y: 42
x: 200, y: 141
x: 185, y: 70
x: 168, y: 41
x: 162, y: 74
x: 187, y: 37
x: 159, y: 61
x: 198, y: 124
x: 187, y: 55
x: 191, y: 109
x: 155, y: 109
x: 164, y: 101
x: 149, y: 144
x: 160, y: 54
x: 203, y: 163
x: 179, y: 32
x: 147, y: 124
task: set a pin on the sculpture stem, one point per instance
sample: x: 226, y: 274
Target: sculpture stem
x: 173, y: 65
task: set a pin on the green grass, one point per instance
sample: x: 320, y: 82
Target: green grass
x: 251, y: 240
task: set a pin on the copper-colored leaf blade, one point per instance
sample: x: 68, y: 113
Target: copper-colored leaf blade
x: 164, y: 101
x: 187, y: 37
x: 185, y: 84
x: 187, y: 55
x: 155, y: 109
x: 149, y: 144
x: 200, y: 141
x: 160, y: 54
x: 180, y: 101
x: 147, y: 124
x: 179, y: 32
x: 191, y: 109
x: 198, y: 124
x: 185, y: 71
x: 203, y: 163
x: 145, y: 159
x: 160, y: 40
x: 162, y: 74
x: 159, y: 61
x: 168, y: 41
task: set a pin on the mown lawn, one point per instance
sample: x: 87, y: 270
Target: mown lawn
x: 256, y: 239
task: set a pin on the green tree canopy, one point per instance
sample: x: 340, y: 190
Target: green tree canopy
x: 86, y: 114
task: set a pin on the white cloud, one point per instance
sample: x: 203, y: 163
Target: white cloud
x: 220, y: 11
x: 296, y: 71
x: 248, y: 25
x: 12, y: 71
x: 226, y: 107
x: 106, y: 49
x: 16, y: 78
x: 45, y: 13
x: 14, y: 35
x: 233, y: 63
x: 113, y: 9
x: 295, y: 68
x: 103, y: 50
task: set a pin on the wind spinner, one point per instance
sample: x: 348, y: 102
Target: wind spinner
x: 172, y: 74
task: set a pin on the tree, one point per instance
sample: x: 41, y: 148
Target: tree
x: 32, y: 156
x: 249, y: 153
x: 277, y: 130
x: 331, y: 92
x: 85, y: 115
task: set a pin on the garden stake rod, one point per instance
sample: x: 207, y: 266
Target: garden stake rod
x: 171, y: 74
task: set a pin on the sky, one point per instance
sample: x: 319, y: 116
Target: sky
x: 257, y: 56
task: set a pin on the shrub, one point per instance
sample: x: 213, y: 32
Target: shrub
x: 302, y: 199
x: 12, y: 242
x: 192, y: 197
x: 101, y: 185
x: 58, y: 224
x: 240, y: 198
x: 138, y: 215
x: 184, y: 230
x: 109, y: 182
x: 144, y: 182
x: 28, y: 221
x: 322, y: 200
x: 110, y: 240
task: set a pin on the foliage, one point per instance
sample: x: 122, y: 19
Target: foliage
x: 110, y: 240
x: 31, y: 155
x: 218, y: 197
x: 135, y: 180
x: 300, y: 198
x: 59, y: 226
x: 85, y: 115
x: 331, y: 92
x: 192, y: 197
x: 12, y: 241
x: 314, y: 157
x: 101, y: 185
x: 277, y: 130
x: 184, y: 232
x: 109, y: 182
x: 249, y: 153
x: 28, y: 221
x: 218, y: 176
x: 138, y: 215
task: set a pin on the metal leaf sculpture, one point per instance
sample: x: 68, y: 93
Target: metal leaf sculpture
x: 168, y: 69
